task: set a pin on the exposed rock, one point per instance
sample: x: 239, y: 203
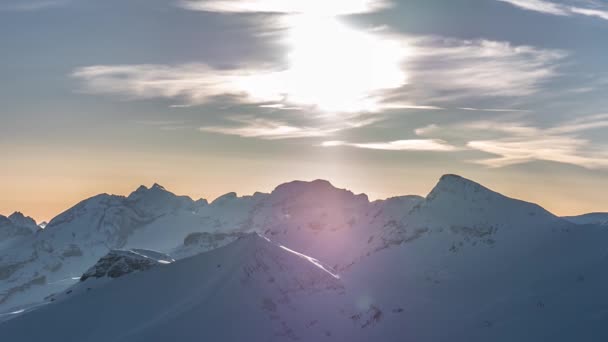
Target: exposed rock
x: 118, y: 263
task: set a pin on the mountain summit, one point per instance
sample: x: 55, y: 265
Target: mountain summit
x: 460, y: 201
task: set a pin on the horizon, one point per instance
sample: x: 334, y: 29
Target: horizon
x: 213, y: 198
x: 377, y: 96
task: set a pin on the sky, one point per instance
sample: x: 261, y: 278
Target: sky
x: 378, y: 96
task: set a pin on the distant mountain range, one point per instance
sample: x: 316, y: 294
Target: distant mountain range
x: 307, y: 262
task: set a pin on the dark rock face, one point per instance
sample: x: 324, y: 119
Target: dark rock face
x: 118, y: 263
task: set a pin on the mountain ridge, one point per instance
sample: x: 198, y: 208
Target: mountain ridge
x: 315, y: 218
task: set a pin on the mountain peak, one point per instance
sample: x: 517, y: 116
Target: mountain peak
x: 157, y: 199
x: 224, y: 198
x: 143, y: 190
x: 453, y: 184
x: 458, y: 201
x: 18, y: 219
x: 157, y: 186
x: 453, y: 179
x: 295, y: 186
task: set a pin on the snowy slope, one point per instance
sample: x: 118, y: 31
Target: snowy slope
x: 115, y: 264
x: 251, y: 289
x: 592, y: 218
x: 484, y: 267
x: 255, y: 290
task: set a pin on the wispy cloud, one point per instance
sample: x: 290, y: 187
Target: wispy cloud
x: 435, y: 145
x: 323, y: 7
x: 581, y: 124
x: 438, y: 69
x: 448, y: 69
x: 427, y: 130
x: 519, y: 142
x: 276, y: 129
x: 539, y: 6
x: 561, y: 149
x: 496, y: 110
x: 28, y: 6
x: 164, y: 125
x: 561, y: 9
x: 193, y: 83
x: 602, y: 14
x: 269, y: 129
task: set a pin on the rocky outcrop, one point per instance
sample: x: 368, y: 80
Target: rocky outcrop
x: 118, y: 263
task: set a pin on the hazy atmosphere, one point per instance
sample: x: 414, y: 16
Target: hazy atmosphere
x: 303, y: 170
x: 382, y: 97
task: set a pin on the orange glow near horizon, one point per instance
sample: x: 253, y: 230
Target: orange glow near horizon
x: 44, y: 192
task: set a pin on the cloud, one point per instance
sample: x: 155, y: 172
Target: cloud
x: 435, y: 145
x: 497, y: 110
x: 409, y: 105
x: 426, y: 130
x: 539, y: 6
x: 318, y: 7
x: 271, y: 129
x: 164, y: 125
x: 29, y: 6
x: 602, y: 14
x: 268, y: 129
x: 444, y: 70
x: 438, y: 70
x: 561, y: 149
x: 521, y: 143
x: 193, y: 83
x: 553, y: 8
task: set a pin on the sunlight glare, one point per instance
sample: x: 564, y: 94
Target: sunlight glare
x: 336, y: 68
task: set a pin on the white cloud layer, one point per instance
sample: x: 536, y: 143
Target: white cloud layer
x: 561, y: 9
x: 538, y: 6
x: 193, y: 83
x: 269, y: 129
x: 438, y: 71
x: 317, y: 7
x: 520, y: 143
x: 435, y: 145
x: 446, y: 69
x: 29, y: 6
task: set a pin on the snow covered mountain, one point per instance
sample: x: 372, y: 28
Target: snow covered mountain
x: 591, y: 218
x: 308, y: 216
x: 479, y: 265
x: 44, y: 261
x: 15, y: 227
x: 255, y: 290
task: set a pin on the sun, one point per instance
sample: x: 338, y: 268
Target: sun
x: 331, y: 67
x: 337, y: 68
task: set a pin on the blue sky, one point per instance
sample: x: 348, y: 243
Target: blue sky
x: 381, y: 97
